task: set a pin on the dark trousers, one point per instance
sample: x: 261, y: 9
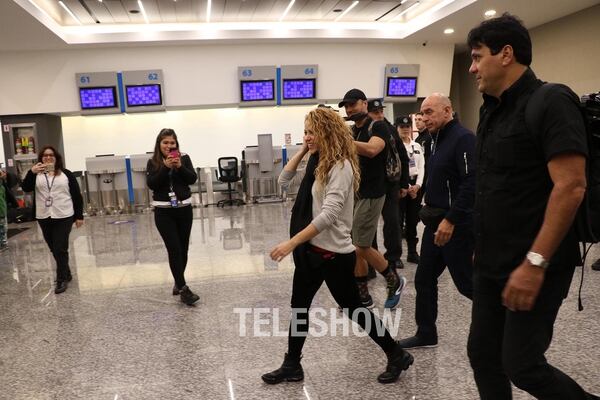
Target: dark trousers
x: 457, y: 255
x: 175, y: 226
x: 338, y: 274
x: 392, y: 234
x: 409, y: 216
x: 56, y: 234
x: 506, y: 346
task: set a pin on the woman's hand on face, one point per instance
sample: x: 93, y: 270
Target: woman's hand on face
x: 281, y: 250
x: 78, y: 223
x: 38, y: 168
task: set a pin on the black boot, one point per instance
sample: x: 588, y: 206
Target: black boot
x: 290, y: 371
x: 398, y: 360
x: 187, y: 296
x: 412, y: 256
x: 61, y: 286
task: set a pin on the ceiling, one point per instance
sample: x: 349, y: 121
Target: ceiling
x: 46, y: 24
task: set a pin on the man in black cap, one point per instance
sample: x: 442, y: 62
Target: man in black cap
x: 370, y: 138
x: 392, y: 234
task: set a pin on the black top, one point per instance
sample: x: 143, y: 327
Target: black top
x: 28, y: 185
x: 372, y: 170
x: 404, y: 160
x: 451, y: 173
x: 513, y: 182
x: 424, y: 139
x: 162, y: 179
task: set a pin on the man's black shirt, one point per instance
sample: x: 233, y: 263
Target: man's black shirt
x: 513, y: 182
x: 372, y: 170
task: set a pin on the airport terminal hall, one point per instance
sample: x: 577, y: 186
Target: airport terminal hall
x: 299, y: 199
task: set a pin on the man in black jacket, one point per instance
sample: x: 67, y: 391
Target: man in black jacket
x: 392, y: 234
x: 450, y: 194
x: 530, y: 182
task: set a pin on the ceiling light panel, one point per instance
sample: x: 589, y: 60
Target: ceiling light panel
x: 117, y: 11
x: 100, y: 11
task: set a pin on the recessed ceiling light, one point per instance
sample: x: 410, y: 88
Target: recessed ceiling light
x: 490, y: 13
x: 134, y: 11
x: 338, y: 10
x: 448, y: 31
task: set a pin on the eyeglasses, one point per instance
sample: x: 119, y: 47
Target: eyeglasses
x: 47, y: 155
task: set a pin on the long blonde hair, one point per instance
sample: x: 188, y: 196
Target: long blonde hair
x: 335, y: 143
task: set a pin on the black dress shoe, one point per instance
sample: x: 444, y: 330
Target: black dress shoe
x: 187, y: 296
x: 290, y: 371
x: 414, y: 342
x: 398, y: 360
x: 175, y: 290
x: 61, y: 286
x: 413, y: 257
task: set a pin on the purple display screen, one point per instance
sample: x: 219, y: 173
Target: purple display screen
x: 143, y: 95
x: 401, y: 87
x: 258, y: 90
x: 98, y: 97
x: 299, y: 89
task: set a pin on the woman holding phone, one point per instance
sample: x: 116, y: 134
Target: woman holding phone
x: 320, y: 229
x: 57, y: 204
x: 169, y: 174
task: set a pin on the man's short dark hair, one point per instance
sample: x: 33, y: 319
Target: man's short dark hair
x: 498, y: 32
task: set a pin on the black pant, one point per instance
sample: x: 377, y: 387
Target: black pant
x: 392, y: 234
x: 409, y: 216
x: 175, y: 226
x: 506, y: 346
x: 457, y: 255
x: 56, y: 234
x: 338, y: 274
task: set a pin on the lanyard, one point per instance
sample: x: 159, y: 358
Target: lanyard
x: 48, y: 182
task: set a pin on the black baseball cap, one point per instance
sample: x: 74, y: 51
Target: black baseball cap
x: 374, y: 105
x: 352, y: 96
x: 403, y: 121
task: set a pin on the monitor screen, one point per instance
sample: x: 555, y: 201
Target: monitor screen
x: 401, y: 87
x: 143, y: 95
x: 258, y: 90
x: 98, y: 97
x: 299, y: 89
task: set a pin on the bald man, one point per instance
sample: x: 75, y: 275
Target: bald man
x: 449, y: 198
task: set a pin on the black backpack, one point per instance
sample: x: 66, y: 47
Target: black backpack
x: 393, y: 165
x: 587, y: 221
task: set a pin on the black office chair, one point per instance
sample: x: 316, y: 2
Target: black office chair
x: 228, y: 173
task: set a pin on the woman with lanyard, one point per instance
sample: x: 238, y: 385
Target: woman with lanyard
x: 169, y: 174
x: 409, y: 205
x: 57, y: 203
x: 320, y: 229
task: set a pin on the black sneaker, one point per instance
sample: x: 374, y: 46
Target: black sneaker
x: 187, y: 296
x: 366, y: 301
x: 398, y: 264
x: 413, y: 257
x: 61, y: 286
x: 398, y: 360
x: 414, y: 342
x: 175, y: 290
x: 290, y: 371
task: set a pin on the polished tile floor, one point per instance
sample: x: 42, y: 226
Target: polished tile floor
x: 118, y: 333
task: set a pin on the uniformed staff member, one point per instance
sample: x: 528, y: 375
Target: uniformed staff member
x: 409, y: 205
x: 447, y: 215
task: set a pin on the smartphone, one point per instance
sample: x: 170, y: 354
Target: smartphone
x: 49, y: 167
x: 174, y: 153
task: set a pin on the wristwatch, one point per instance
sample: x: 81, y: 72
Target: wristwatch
x: 537, y: 260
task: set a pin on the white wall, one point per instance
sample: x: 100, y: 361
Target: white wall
x: 204, y: 134
x: 201, y: 76
x: 44, y: 82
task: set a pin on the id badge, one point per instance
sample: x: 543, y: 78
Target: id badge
x: 412, y: 163
x: 173, y: 199
x: 49, y: 202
